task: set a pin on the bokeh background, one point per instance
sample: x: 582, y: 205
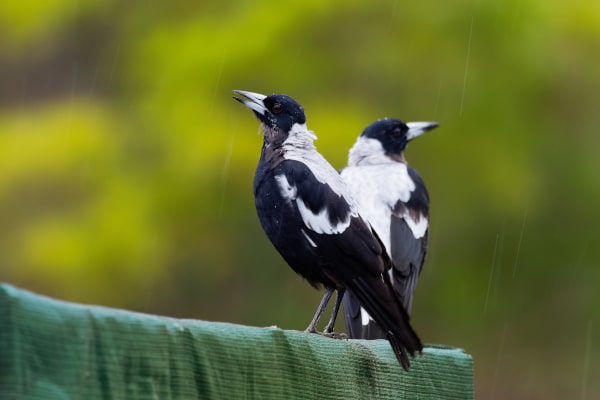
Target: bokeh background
x: 126, y: 168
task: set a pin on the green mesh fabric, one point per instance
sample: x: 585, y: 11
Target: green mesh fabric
x: 51, y: 349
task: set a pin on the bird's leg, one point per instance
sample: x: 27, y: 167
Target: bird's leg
x: 328, y: 331
x: 312, y: 327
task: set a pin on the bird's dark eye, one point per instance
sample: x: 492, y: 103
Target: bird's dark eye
x: 397, y: 132
x: 276, y: 108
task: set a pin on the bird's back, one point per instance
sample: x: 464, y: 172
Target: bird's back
x: 393, y: 199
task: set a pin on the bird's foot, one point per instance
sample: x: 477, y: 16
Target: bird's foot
x: 329, y: 334
x: 335, y: 335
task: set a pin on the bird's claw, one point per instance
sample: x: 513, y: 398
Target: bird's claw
x: 335, y: 335
x: 329, y: 334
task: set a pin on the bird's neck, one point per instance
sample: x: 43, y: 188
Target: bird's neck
x: 300, y: 139
x: 297, y: 143
x: 361, y: 156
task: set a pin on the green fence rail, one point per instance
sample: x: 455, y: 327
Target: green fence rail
x: 50, y: 349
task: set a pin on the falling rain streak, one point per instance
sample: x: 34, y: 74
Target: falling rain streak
x: 586, y: 360
x: 489, y: 288
x: 497, y: 368
x: 519, y: 246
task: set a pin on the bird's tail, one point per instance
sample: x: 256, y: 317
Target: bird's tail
x: 378, y: 298
x: 358, y: 328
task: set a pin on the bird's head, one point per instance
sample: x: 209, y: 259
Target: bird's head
x: 279, y: 113
x: 387, y: 138
x: 394, y: 134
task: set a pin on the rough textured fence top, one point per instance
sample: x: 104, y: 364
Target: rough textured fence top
x: 51, y: 349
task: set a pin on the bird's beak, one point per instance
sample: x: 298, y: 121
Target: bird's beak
x: 254, y: 101
x: 418, y: 128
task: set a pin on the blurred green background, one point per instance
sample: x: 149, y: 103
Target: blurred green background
x: 126, y: 168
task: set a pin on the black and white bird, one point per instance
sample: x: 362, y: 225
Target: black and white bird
x: 310, y: 216
x: 393, y: 198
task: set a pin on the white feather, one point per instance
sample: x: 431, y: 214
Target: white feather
x: 318, y: 222
x: 368, y: 151
x: 310, y: 241
x: 299, y: 146
x: 377, y: 189
x: 365, y: 318
x: 377, y: 183
x: 288, y: 192
x: 418, y: 228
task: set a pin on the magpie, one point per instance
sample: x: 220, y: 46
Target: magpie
x: 394, y: 200
x: 311, y: 218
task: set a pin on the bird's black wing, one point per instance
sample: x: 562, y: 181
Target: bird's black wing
x: 408, y: 254
x: 329, y: 220
x: 359, y: 323
x: 349, y: 254
x: 366, y: 277
x: 408, y: 244
x: 305, y: 217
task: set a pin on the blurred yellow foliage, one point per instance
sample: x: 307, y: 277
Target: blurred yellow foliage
x: 126, y: 168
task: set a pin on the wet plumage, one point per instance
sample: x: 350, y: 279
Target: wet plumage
x: 310, y: 216
x: 394, y: 200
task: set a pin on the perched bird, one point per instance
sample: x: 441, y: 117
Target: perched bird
x: 307, y: 212
x: 393, y: 199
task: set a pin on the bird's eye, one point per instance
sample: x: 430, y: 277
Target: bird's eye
x: 397, y: 132
x: 276, y: 108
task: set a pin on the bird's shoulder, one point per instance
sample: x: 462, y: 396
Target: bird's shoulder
x: 417, y: 203
x: 324, y: 208
x: 385, y: 185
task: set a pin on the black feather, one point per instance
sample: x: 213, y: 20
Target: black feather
x: 340, y: 252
